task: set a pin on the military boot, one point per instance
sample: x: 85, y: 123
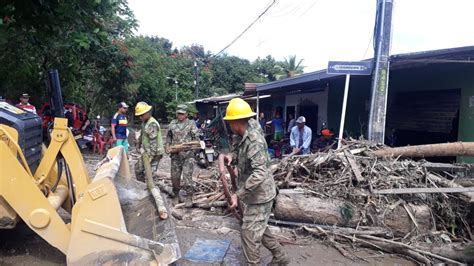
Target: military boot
x: 188, y: 202
x: 175, y: 193
x: 182, y: 195
x: 279, y: 259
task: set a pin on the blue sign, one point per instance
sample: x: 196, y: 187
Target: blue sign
x: 350, y: 67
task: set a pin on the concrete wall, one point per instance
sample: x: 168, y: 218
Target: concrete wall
x: 429, y: 111
x: 459, y: 76
x: 317, y: 98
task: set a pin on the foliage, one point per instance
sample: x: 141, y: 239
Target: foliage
x: 290, y: 68
x: 101, y: 62
x: 267, y: 68
x: 83, y: 39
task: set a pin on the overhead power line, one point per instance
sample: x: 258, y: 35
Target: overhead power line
x: 246, y: 29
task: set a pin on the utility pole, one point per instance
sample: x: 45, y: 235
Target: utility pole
x: 175, y: 86
x: 379, y: 86
x: 196, y: 80
x: 176, y: 89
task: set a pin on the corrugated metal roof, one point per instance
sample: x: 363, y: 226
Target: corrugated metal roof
x: 221, y: 98
x: 450, y: 55
x: 435, y: 53
x: 226, y: 98
x: 303, y: 78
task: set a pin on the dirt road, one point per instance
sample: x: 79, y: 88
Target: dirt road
x: 22, y: 246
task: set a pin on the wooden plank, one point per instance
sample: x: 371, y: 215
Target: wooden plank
x: 424, y: 190
x: 440, y: 167
x: 354, y: 167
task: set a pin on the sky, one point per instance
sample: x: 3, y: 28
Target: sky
x: 314, y: 30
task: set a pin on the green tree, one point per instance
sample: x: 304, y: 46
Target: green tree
x: 160, y: 73
x: 290, y: 68
x: 82, y: 39
x: 267, y: 69
x: 231, y: 72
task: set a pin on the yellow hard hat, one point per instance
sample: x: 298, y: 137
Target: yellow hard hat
x: 238, y: 109
x: 142, y: 108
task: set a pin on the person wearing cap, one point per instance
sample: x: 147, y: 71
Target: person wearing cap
x: 119, y: 126
x: 300, y: 137
x: 256, y: 188
x: 151, y: 152
x: 182, y: 130
x: 24, y: 103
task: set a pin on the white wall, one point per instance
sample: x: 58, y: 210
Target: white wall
x: 319, y: 98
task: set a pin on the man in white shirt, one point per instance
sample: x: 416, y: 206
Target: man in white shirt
x: 300, y: 137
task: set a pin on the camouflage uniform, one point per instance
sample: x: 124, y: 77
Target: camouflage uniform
x: 151, y: 149
x: 151, y: 144
x: 256, y: 190
x: 182, y: 163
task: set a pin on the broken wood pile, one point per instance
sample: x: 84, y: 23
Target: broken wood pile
x: 351, y: 196
x: 209, y: 193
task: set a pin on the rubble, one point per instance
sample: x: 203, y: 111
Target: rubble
x: 339, y: 197
x: 339, y: 188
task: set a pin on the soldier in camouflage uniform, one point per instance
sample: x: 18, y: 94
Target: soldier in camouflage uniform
x: 151, y: 150
x: 256, y: 187
x: 182, y: 130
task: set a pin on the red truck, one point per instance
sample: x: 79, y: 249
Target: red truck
x: 76, y: 118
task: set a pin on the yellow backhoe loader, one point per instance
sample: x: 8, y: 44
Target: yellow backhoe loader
x: 113, y: 219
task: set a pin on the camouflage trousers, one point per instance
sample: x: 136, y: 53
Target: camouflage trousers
x: 255, y: 233
x: 182, y: 166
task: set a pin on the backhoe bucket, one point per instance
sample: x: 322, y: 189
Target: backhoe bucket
x: 115, y: 221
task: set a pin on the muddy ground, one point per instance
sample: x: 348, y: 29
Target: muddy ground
x: 22, y: 246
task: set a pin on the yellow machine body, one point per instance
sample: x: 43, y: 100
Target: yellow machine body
x: 98, y: 232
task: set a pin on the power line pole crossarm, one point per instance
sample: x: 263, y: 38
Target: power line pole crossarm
x: 378, y: 108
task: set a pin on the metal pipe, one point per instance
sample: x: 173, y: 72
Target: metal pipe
x: 70, y: 185
x: 54, y: 86
x: 258, y: 105
x: 343, y: 113
x: 57, y: 198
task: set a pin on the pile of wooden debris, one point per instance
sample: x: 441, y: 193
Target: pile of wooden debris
x: 351, y: 196
x: 358, y: 196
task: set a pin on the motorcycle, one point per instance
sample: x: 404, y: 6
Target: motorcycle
x: 208, y: 154
x: 325, y: 140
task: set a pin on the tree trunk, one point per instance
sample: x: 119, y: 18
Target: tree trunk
x: 457, y: 251
x: 298, y: 207
x: 431, y: 150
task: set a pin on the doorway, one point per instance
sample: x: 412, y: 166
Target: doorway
x: 310, y: 112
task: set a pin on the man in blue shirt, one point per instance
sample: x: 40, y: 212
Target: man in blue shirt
x: 300, y: 137
x: 119, y: 126
x: 278, y: 126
